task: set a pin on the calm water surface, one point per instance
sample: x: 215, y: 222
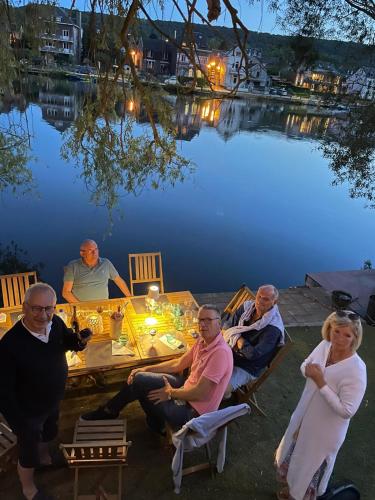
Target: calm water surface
x: 259, y: 206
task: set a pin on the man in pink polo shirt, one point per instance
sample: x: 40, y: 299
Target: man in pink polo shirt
x: 166, y: 396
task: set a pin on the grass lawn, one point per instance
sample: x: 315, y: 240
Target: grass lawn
x: 249, y: 472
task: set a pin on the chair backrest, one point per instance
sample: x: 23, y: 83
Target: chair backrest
x: 244, y: 293
x: 145, y: 268
x: 14, y: 286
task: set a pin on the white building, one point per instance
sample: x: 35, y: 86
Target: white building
x: 362, y: 83
x: 256, y: 77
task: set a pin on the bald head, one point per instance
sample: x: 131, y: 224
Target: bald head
x: 265, y: 298
x: 89, y: 253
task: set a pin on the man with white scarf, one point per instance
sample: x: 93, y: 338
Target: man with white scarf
x: 254, y: 332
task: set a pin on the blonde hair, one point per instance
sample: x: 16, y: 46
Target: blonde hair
x: 336, y: 320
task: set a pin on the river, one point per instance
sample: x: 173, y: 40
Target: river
x: 259, y: 205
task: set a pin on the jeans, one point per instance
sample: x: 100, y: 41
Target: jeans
x: 176, y: 413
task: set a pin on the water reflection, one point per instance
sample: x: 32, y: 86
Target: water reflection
x: 232, y: 116
x: 112, y: 154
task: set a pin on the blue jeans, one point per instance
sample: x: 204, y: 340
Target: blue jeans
x: 156, y: 414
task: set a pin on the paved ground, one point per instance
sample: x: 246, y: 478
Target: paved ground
x: 299, y: 306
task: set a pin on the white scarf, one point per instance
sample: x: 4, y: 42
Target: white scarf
x: 271, y: 317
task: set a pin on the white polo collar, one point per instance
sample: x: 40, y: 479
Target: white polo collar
x: 40, y: 336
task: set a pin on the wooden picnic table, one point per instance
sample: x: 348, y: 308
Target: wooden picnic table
x: 172, y: 338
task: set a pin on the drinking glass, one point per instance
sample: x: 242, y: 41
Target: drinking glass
x: 188, y: 318
x: 152, y: 333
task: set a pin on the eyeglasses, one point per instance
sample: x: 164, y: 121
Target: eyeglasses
x: 206, y: 320
x: 39, y: 309
x: 343, y: 314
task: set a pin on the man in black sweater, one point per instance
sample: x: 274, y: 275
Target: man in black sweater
x: 33, y: 372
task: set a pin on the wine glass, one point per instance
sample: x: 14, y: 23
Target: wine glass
x: 152, y: 333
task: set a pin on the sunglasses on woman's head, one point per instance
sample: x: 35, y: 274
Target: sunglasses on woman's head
x: 344, y: 314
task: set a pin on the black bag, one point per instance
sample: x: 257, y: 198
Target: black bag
x: 344, y: 492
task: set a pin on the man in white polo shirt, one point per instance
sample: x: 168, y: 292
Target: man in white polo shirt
x: 87, y: 278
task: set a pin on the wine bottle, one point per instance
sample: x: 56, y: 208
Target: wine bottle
x: 74, y: 323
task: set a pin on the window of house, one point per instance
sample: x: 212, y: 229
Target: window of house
x: 65, y: 32
x: 66, y: 113
x: 66, y: 100
x: 234, y: 79
x: 51, y: 112
x: 66, y: 45
x: 237, y: 65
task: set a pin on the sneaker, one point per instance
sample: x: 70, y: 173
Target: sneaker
x: 101, y: 413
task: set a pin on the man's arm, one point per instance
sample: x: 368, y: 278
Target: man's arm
x: 122, y: 286
x: 67, y: 292
x: 200, y: 392
x: 172, y: 366
x: 266, y: 344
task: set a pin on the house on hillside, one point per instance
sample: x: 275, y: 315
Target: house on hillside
x: 159, y: 56
x: 325, y: 79
x: 61, y: 36
x: 255, y: 78
x: 210, y: 63
x: 362, y: 83
x: 135, y: 54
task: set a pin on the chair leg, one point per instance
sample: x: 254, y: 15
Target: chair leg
x: 209, y: 458
x: 119, y: 493
x: 253, y: 400
x: 76, y: 477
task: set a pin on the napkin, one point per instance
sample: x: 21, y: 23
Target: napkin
x: 171, y: 341
x: 120, y: 350
x: 72, y: 358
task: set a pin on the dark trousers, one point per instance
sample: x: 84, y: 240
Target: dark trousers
x: 176, y: 413
x: 39, y: 429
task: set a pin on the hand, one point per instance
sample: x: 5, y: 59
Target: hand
x: 162, y: 394
x: 315, y: 372
x: 85, y: 335
x: 133, y: 373
x: 240, y: 343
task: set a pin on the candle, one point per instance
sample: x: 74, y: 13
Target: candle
x: 153, y: 292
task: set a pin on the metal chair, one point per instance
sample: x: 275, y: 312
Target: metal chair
x: 96, y: 444
x: 145, y: 268
x: 14, y: 286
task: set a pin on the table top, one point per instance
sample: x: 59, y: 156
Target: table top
x: 173, y: 331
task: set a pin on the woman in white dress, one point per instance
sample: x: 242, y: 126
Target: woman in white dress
x: 335, y: 386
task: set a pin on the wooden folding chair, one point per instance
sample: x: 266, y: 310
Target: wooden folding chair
x: 145, y: 268
x: 96, y: 444
x: 244, y: 293
x: 248, y: 392
x: 14, y: 286
x: 199, y: 432
x: 8, y: 442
